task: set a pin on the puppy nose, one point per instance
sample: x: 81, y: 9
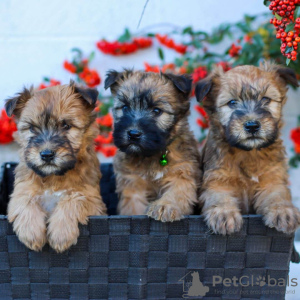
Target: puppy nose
x: 252, y: 126
x: 134, y: 134
x: 47, y: 155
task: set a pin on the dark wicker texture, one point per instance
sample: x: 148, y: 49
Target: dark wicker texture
x: 139, y: 258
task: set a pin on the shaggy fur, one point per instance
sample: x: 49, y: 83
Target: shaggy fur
x: 53, y: 194
x: 155, y: 107
x: 245, y: 170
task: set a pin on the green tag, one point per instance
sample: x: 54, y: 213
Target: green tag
x: 163, y: 161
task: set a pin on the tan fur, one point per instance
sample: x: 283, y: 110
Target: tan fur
x: 165, y: 193
x: 236, y: 181
x: 77, y: 191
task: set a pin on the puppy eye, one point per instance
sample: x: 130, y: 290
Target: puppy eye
x: 232, y: 103
x: 66, y: 126
x: 125, y: 108
x: 157, y: 111
x: 31, y: 129
x: 265, y: 100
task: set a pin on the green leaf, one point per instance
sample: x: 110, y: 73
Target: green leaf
x: 289, y: 49
x: 126, y: 36
x: 161, y: 54
x: 91, y: 57
x: 287, y: 61
x: 77, y: 50
x: 278, y: 17
x: 188, y: 30
x: 46, y: 79
x: 151, y: 34
x: 266, y: 3
x: 290, y: 27
x: 297, y: 12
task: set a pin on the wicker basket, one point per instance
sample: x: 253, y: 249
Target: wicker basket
x: 138, y: 258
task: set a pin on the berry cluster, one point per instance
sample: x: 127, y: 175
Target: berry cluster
x: 120, y: 48
x: 295, y: 136
x: 169, y: 43
x: 90, y: 77
x: 7, y: 128
x: 234, y: 50
x: 80, y: 67
x: 47, y: 82
x: 287, y: 26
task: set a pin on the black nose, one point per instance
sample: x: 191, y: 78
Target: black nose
x: 134, y: 134
x: 252, y: 126
x: 47, y: 155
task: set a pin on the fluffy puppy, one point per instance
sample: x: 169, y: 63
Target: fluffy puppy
x: 244, y: 161
x: 157, y: 164
x: 57, y: 179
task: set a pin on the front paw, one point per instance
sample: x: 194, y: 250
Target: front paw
x: 224, y: 220
x: 283, y: 218
x: 62, y: 234
x: 164, y: 211
x: 31, y: 230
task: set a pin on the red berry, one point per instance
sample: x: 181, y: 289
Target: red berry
x: 293, y: 53
x: 298, y: 20
x: 289, y: 44
x: 283, y: 34
x: 294, y: 57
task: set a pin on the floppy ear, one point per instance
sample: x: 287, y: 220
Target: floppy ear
x: 203, y: 87
x: 90, y: 95
x: 288, y: 75
x: 14, y: 106
x: 182, y: 82
x: 113, y: 79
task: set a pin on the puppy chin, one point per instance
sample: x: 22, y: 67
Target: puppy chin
x: 252, y: 143
x: 51, y: 169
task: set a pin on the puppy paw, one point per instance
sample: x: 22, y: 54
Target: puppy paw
x: 31, y: 231
x: 283, y: 218
x: 164, y: 212
x: 62, y: 234
x: 224, y: 220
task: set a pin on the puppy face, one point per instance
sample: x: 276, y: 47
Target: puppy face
x: 246, y: 103
x: 52, y: 124
x: 146, y: 109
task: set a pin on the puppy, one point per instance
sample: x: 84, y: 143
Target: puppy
x: 157, y: 164
x: 57, y: 179
x: 244, y: 163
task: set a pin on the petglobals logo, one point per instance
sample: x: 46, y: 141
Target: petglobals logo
x: 192, y: 286
x: 254, y: 281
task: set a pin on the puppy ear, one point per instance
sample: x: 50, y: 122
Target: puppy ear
x: 88, y: 94
x: 14, y: 106
x: 113, y: 79
x: 288, y: 75
x: 182, y: 82
x: 203, y: 87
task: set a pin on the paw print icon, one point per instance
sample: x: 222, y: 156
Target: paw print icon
x: 261, y: 281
